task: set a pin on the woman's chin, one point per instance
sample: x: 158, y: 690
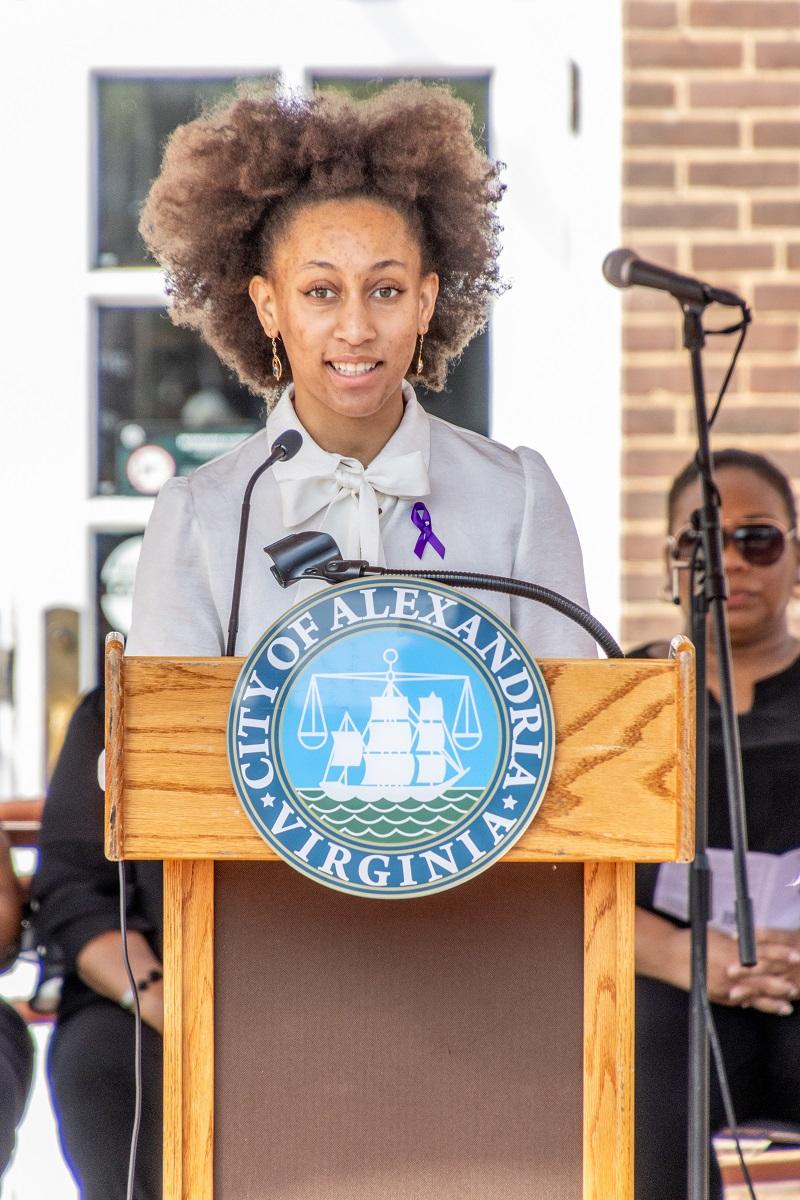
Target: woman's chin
x: 363, y: 398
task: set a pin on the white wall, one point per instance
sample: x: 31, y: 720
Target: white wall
x: 554, y: 334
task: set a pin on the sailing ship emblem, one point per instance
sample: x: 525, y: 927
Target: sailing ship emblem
x: 401, y: 769
x: 390, y: 740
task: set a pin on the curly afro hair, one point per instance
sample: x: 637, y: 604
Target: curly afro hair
x: 232, y: 179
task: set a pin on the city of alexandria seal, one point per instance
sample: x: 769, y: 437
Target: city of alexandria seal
x: 390, y: 740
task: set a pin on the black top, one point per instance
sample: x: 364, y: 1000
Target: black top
x: 770, y: 740
x: 76, y: 889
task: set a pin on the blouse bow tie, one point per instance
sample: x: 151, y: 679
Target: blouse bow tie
x: 351, y: 495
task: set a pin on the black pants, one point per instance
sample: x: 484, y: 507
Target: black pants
x: 762, y: 1057
x: 16, y: 1072
x: 90, y: 1069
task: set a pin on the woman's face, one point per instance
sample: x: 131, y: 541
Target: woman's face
x: 758, y: 595
x: 346, y: 293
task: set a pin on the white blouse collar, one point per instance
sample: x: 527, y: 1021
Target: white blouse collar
x: 343, y: 497
x: 413, y: 432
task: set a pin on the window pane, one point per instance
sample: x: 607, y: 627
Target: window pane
x: 466, y: 398
x: 134, y: 119
x: 165, y: 402
x: 115, y: 559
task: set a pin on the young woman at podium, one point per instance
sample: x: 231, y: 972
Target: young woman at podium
x: 755, y: 1010
x: 330, y: 251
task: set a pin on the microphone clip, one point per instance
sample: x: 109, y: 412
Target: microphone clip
x: 311, y: 555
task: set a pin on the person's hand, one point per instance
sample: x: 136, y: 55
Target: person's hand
x: 151, y: 1006
x: 772, y: 984
x: 100, y: 966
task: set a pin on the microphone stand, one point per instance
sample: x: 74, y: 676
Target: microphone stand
x: 708, y: 590
x: 283, y: 448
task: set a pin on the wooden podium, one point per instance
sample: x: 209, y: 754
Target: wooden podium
x: 353, y: 1049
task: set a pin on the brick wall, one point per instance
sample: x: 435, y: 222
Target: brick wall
x: 712, y: 188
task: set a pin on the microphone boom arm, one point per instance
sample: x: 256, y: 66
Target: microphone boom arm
x: 313, y: 555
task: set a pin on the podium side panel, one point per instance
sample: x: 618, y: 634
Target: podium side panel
x: 608, y: 1031
x: 390, y: 1051
x: 188, y: 1030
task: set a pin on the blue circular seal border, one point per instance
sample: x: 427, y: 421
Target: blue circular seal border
x: 277, y: 808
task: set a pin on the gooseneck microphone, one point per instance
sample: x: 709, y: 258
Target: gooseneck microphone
x: 623, y: 268
x: 313, y: 555
x: 284, y: 447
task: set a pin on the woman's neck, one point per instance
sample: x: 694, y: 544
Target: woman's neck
x: 361, y: 438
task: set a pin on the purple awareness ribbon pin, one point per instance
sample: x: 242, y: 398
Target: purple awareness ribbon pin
x: 422, y: 519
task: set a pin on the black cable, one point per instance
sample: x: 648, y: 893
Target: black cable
x: 137, y: 1026
x: 741, y: 325
x: 724, y: 1087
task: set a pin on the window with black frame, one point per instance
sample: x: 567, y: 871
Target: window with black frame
x: 465, y: 400
x: 166, y: 404
x: 115, y: 555
x: 134, y: 116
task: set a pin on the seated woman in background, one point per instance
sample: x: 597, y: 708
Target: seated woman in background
x: 16, y: 1047
x: 757, y: 1020
x: 91, y: 1053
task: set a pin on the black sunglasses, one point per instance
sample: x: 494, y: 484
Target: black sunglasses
x: 761, y: 543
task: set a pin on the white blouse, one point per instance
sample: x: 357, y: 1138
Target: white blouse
x: 494, y: 510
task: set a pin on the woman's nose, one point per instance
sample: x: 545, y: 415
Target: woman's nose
x: 355, y: 325
x: 732, y: 557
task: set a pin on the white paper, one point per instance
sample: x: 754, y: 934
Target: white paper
x: 772, y: 880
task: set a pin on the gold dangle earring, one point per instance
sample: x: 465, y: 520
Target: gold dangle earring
x: 420, y: 363
x: 277, y: 365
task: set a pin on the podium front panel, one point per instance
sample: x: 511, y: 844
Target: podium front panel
x: 369, y: 1050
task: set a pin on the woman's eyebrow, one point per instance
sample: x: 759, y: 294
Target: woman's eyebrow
x: 378, y: 266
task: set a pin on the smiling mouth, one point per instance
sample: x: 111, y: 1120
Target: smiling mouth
x: 352, y: 369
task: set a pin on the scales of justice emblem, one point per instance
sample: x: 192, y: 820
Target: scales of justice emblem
x: 390, y: 740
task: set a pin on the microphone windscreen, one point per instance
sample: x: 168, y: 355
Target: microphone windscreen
x: 289, y: 442
x: 616, y: 267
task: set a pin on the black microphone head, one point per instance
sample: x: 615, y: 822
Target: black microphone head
x: 617, y: 266
x: 289, y: 442
x: 297, y: 554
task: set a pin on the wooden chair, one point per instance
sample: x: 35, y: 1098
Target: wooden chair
x: 21, y: 821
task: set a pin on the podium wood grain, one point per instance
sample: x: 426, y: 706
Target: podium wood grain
x: 622, y: 791
x: 608, y: 989
x: 621, y: 787
x: 188, y: 1030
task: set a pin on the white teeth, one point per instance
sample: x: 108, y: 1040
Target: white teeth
x: 348, y: 368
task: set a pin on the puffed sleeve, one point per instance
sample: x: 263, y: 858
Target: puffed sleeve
x: 173, y: 606
x: 549, y: 554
